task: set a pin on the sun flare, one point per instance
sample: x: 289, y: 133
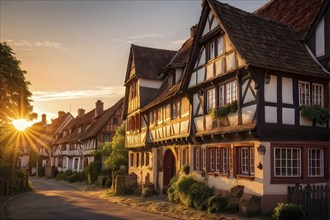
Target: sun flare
x: 21, y: 124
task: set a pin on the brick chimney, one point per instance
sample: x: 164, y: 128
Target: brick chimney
x: 61, y: 113
x: 98, y: 107
x: 193, y: 31
x: 81, y: 112
x: 43, y: 118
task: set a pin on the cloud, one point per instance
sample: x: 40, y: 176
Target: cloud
x: 101, y: 91
x: 137, y: 38
x: 35, y: 44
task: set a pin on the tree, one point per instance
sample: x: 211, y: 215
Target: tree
x: 14, y: 92
x: 14, y: 103
x: 117, y: 154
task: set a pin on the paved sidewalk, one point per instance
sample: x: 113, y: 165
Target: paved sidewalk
x: 160, y: 205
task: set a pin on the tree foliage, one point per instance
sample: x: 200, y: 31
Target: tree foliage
x: 115, y: 151
x: 14, y: 92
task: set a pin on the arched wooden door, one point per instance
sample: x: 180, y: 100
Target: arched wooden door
x: 169, y: 167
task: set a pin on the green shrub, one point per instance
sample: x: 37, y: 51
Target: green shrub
x: 125, y: 190
x: 184, y: 183
x: 74, y: 177
x: 120, y: 172
x: 147, y: 192
x: 30, y: 186
x: 108, y: 182
x: 189, y: 192
x: 94, y: 169
x: 137, y: 192
x: 83, y: 175
x: 198, y: 195
x: 217, y: 204
x: 41, y: 171
x: 288, y: 212
x: 185, y: 169
x: 59, y: 175
x: 172, y: 193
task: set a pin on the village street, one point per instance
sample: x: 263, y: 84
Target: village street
x: 58, y: 200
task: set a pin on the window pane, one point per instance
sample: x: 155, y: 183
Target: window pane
x: 287, y: 162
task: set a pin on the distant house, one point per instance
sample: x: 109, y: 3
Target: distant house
x: 232, y: 109
x: 101, y: 131
x: 73, y: 146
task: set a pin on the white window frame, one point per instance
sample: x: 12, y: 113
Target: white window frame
x: 224, y: 159
x: 204, y: 159
x: 212, y: 159
x: 196, y: 159
x: 315, y: 165
x: 217, y: 159
x: 317, y: 94
x: 285, y: 160
x: 210, y: 99
x: 231, y: 92
x: 304, y: 93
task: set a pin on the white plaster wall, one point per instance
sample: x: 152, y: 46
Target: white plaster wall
x: 195, y: 102
x: 150, y: 83
x: 178, y: 72
x: 25, y: 161
x: 231, y: 62
x: 199, y: 123
x: 208, y: 123
x: 200, y: 75
x: 220, y: 67
x: 209, y: 71
x: 271, y: 90
x: 287, y: 90
x: 249, y: 96
x: 288, y: 116
x: 192, y: 81
x: 233, y: 119
x: 270, y: 114
x: 248, y: 114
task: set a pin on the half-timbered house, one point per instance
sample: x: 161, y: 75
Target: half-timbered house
x: 169, y: 120
x: 142, y: 83
x: 248, y: 77
x: 73, y: 146
x: 102, y: 130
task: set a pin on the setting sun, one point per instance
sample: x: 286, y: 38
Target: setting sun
x: 21, y: 124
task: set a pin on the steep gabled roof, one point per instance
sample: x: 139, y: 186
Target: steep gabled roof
x: 103, y: 120
x: 80, y: 121
x: 179, y: 61
x: 149, y: 62
x: 265, y: 43
x: 298, y: 14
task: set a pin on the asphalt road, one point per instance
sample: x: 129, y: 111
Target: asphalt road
x: 56, y: 200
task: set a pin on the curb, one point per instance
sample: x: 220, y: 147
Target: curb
x: 4, y: 204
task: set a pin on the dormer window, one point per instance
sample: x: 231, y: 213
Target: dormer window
x: 215, y: 48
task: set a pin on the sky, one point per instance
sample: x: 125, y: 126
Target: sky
x: 76, y: 52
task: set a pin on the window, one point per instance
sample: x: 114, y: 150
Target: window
x: 219, y: 46
x: 212, y: 159
x: 131, y: 160
x: 317, y: 94
x: 231, y: 92
x: 137, y: 159
x: 210, y: 99
x: 184, y: 157
x: 176, y: 109
x: 142, y: 159
x: 227, y: 93
x: 287, y: 162
x: 224, y: 152
x: 217, y: 159
x: 196, y: 159
x: 147, y: 159
x: 246, y: 160
x: 153, y: 117
x: 304, y: 93
x: 115, y: 121
x: 106, y: 137
x: 315, y: 162
x: 204, y: 159
x: 215, y: 48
